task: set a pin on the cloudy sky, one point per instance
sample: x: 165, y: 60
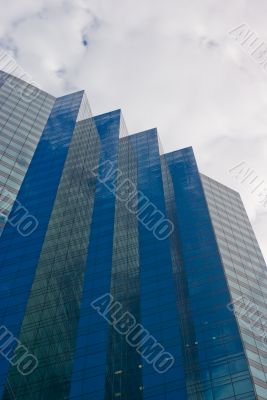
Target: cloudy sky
x: 167, y: 64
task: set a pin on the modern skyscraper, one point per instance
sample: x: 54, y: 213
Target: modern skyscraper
x: 140, y: 279
x: 245, y: 271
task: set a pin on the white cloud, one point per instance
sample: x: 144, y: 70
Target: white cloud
x: 167, y: 64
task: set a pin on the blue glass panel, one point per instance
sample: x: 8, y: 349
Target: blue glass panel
x: 93, y: 330
x: 158, y: 313
x: 19, y: 253
x: 212, y: 343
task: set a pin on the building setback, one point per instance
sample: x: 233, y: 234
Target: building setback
x: 138, y: 277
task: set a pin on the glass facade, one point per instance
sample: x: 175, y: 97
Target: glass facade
x: 88, y: 377
x: 246, y: 274
x: 50, y: 322
x: 213, y: 354
x: 119, y: 219
x: 23, y: 115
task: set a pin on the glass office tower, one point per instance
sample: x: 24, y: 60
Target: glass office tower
x: 245, y: 271
x: 171, y: 249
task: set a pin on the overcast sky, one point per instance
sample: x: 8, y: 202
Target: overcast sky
x: 167, y: 64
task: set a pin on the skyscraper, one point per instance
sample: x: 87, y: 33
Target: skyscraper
x: 139, y: 277
x: 245, y: 271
